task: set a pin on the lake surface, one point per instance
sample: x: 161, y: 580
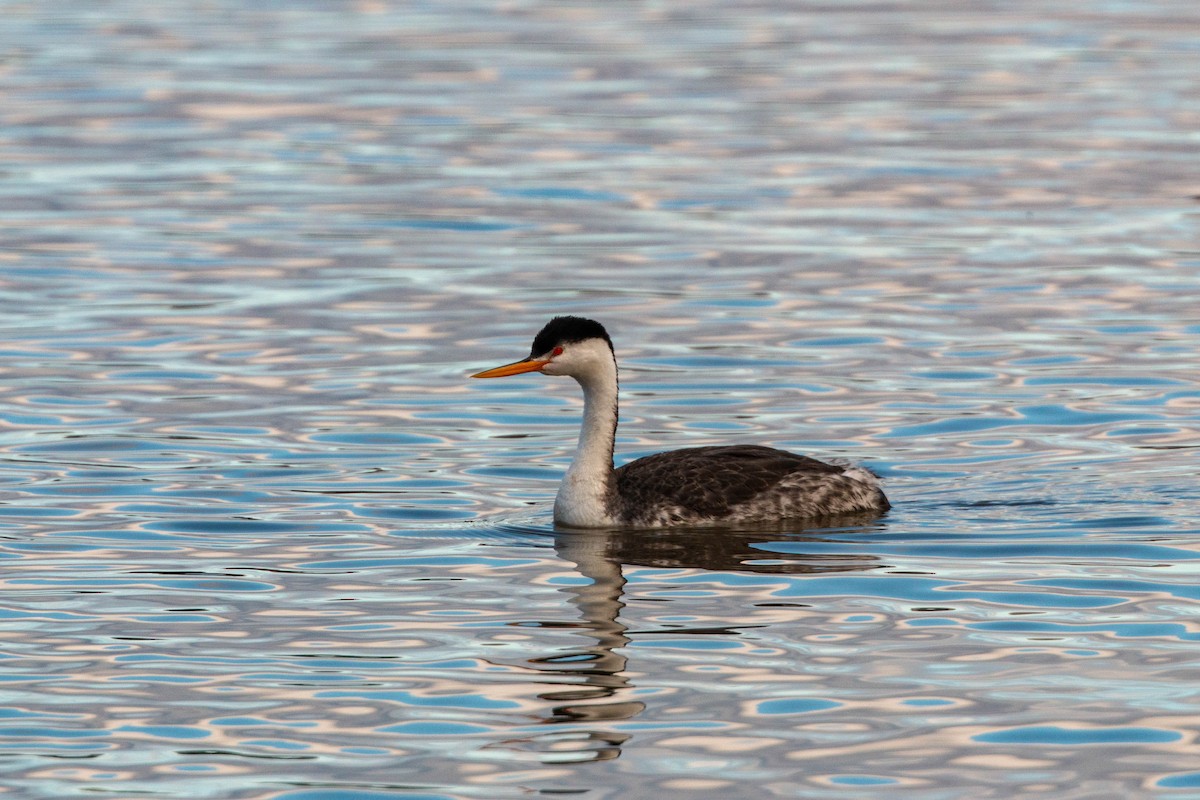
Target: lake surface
x: 263, y: 539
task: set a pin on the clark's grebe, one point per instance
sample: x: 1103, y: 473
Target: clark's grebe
x: 697, y: 485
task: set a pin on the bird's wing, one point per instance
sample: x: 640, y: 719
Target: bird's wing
x: 709, y: 481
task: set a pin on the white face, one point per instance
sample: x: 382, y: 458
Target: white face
x: 586, y: 359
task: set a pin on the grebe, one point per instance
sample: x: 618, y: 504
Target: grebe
x: 696, y: 485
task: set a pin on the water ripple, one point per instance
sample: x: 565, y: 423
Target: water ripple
x: 263, y: 540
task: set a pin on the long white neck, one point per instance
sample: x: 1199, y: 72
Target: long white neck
x: 583, y: 496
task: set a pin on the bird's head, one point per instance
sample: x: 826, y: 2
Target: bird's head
x: 572, y: 346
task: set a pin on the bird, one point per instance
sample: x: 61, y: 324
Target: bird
x: 741, y: 483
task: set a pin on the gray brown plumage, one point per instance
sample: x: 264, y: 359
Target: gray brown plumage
x: 737, y: 483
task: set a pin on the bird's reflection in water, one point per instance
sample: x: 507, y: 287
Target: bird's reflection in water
x: 601, y: 689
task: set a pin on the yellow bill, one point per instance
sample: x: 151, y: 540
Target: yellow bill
x: 515, y: 368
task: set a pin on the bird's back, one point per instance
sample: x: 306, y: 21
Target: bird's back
x: 739, y: 483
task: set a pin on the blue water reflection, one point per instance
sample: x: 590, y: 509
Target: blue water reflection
x: 263, y: 540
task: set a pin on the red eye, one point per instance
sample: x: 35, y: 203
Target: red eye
x: 556, y: 351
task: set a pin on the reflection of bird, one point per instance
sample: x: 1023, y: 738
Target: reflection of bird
x: 738, y: 483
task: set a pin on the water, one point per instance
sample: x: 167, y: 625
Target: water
x: 263, y: 540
